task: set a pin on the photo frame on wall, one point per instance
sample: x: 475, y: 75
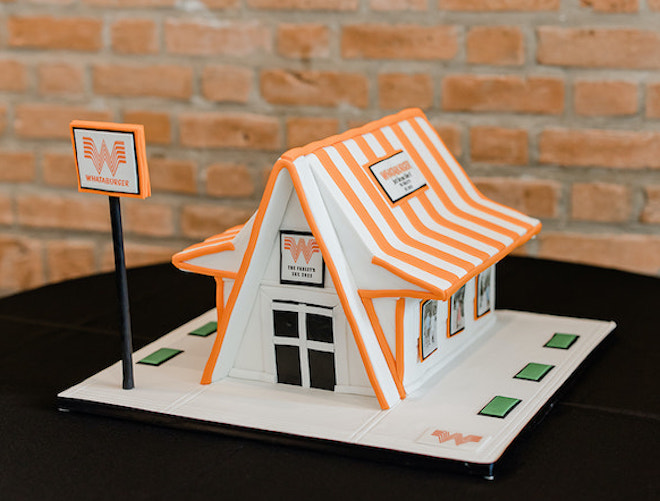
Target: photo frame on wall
x: 428, y: 339
x: 483, y: 295
x: 457, y: 312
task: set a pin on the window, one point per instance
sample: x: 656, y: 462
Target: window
x: 304, y: 345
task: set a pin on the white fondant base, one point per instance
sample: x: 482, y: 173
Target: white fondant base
x: 449, y: 403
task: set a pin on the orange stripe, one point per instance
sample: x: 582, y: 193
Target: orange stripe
x: 399, y: 313
x: 438, y: 218
x: 456, y: 183
x: 440, y: 191
x: 408, y: 277
x: 386, y: 210
x: 384, y: 346
x: 219, y: 295
x: 373, y: 228
x: 373, y: 294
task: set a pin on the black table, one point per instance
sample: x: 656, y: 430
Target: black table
x: 600, y: 441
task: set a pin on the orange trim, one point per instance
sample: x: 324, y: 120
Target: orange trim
x: 144, y: 184
x: 219, y: 295
x: 231, y: 301
x: 294, y: 153
x: 406, y: 276
x: 449, y: 334
x: 476, y: 295
x: 399, y: 312
x: 421, y: 330
x: 384, y: 346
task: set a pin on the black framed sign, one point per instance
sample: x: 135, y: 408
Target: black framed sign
x: 398, y: 176
x: 301, y: 261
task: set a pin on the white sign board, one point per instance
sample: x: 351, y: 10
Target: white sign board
x: 110, y: 159
x: 301, y: 261
x: 398, y: 176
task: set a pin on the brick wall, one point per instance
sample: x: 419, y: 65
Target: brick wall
x: 553, y: 106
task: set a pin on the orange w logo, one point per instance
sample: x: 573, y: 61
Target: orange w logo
x: 305, y: 246
x: 445, y: 436
x: 114, y: 159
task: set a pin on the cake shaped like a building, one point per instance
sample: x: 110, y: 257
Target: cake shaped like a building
x: 368, y: 266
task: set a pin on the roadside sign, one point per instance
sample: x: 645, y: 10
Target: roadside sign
x: 111, y: 158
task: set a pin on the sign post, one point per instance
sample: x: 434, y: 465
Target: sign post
x: 111, y: 160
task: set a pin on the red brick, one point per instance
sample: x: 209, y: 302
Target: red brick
x: 653, y: 4
x: 3, y: 118
x: 21, y: 265
x: 610, y: 6
x: 72, y: 213
x: 6, y: 209
x: 603, y: 98
x: 329, y: 5
x: 398, y: 5
x: 47, y: 32
x: 177, y: 176
x: 503, y: 93
x: 637, y: 253
x: 157, y: 125
x: 497, y: 145
x: 314, y: 88
x: 210, y: 39
x: 600, y: 202
x: 653, y: 100
x: 134, y: 36
x: 538, y: 197
x: 13, y: 76
x: 229, y: 180
x: 167, y: 81
x: 59, y: 169
x: 68, y: 259
x: 229, y: 84
x: 139, y: 255
x: 131, y: 3
x: 499, y: 5
x: 16, y: 167
x: 220, y: 4
x: 402, y: 41
x: 651, y: 211
x: 496, y: 45
x: 223, y: 130
x: 303, y: 130
x: 61, y: 78
x: 598, y: 47
x: 398, y: 90
x: 304, y: 41
x: 601, y: 148
x: 148, y: 218
x: 51, y: 121
x: 201, y: 221
x: 450, y: 135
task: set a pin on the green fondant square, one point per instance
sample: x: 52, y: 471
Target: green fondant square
x: 561, y: 341
x: 160, y: 356
x: 205, y: 330
x: 499, y: 406
x: 534, y: 372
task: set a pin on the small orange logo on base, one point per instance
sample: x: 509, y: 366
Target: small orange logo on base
x: 445, y: 436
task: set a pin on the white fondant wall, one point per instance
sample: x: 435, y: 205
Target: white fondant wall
x: 418, y: 371
x: 256, y: 355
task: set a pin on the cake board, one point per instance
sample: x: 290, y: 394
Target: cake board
x: 439, y: 424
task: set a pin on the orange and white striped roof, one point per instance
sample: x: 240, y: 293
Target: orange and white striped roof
x: 437, y: 237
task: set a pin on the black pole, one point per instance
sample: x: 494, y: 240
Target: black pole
x: 122, y: 294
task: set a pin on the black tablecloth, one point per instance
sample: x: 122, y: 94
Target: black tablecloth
x: 600, y: 441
